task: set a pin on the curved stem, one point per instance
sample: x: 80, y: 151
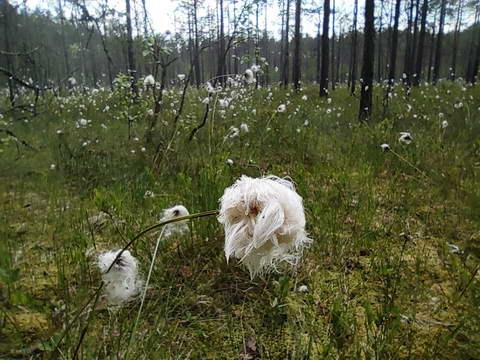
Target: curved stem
x: 135, y: 238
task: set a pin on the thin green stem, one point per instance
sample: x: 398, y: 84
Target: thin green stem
x: 409, y: 163
x: 132, y: 335
x: 135, y: 238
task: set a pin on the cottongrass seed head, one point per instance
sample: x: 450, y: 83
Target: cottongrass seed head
x: 264, y: 223
x: 385, y: 147
x: 177, y: 228
x: 244, y: 128
x: 405, y: 137
x: 122, y: 282
x: 149, y: 80
x: 249, y: 76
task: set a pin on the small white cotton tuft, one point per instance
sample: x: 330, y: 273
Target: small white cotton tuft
x: 264, y: 223
x: 303, y: 289
x: 385, y: 147
x: 149, y: 80
x: 177, y: 228
x: 244, y: 128
x: 122, y: 282
x: 72, y: 81
x: 249, y: 76
x: 405, y: 137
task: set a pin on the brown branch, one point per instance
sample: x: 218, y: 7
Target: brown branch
x: 22, y: 82
x: 21, y: 141
x: 14, y: 53
x: 201, y: 125
x: 175, y: 122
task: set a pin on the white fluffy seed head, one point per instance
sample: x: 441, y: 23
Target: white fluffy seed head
x: 385, y: 147
x: 264, y: 223
x: 72, y: 81
x: 149, y: 80
x: 405, y: 137
x: 244, y: 128
x: 122, y: 282
x: 177, y: 228
x: 303, y: 289
x: 249, y: 76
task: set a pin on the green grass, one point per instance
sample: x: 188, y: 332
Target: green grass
x: 382, y: 280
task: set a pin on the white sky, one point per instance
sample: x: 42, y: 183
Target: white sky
x: 163, y: 12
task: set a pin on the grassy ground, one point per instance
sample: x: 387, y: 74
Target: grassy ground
x: 384, y: 277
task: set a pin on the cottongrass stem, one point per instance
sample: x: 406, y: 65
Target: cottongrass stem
x: 96, y: 294
x: 409, y: 163
x: 132, y: 334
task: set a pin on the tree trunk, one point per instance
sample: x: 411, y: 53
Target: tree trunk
x: 257, y: 43
x: 221, y: 48
x: 62, y: 29
x: 365, y: 109
x: 131, y: 56
x: 265, y: 47
x: 456, y: 35
x: 190, y: 40
x: 389, y: 38
x: 325, y: 49
x: 103, y: 37
x: 145, y: 19
x: 393, y: 49
x: 94, y: 66
x: 438, y: 50
x: 339, y: 55
x: 408, y: 47
x: 297, y: 41
x: 469, y: 76
x: 353, y: 70
x: 421, y: 44
x: 476, y: 62
x: 332, y: 61
x: 317, y: 50
x: 411, y: 65
x: 282, y: 41
x: 286, y: 46
x: 196, y: 55
x: 10, y: 67
x: 235, y: 46
x: 432, y: 49
x: 380, y: 49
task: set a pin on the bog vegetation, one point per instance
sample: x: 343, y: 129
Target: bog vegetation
x: 365, y: 244
x: 392, y: 270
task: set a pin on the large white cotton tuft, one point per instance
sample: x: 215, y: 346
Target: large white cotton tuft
x: 122, y: 282
x: 264, y: 223
x: 177, y: 228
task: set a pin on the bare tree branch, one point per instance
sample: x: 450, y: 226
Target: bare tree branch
x: 18, y: 53
x: 21, y: 141
x: 22, y: 82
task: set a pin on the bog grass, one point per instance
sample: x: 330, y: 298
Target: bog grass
x: 392, y: 272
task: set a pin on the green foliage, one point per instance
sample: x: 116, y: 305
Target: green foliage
x: 382, y: 277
